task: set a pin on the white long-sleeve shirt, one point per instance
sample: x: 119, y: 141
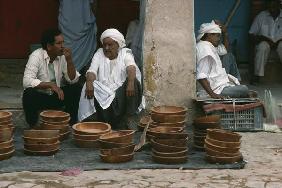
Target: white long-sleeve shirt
x: 37, y: 71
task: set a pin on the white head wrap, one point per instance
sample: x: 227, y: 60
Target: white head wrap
x: 115, y: 35
x: 208, y: 28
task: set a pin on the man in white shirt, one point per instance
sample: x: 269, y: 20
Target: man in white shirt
x: 113, y: 82
x: 50, y: 79
x: 210, y: 73
x: 266, y: 33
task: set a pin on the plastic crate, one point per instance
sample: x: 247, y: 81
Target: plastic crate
x: 245, y: 120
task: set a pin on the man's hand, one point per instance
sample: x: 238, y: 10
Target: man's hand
x: 130, y: 90
x: 67, y: 53
x: 57, y: 90
x: 89, y: 90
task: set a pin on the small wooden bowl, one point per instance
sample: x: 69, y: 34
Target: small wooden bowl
x: 207, y: 119
x: 91, y: 128
x: 126, y: 150
x: 5, y: 116
x: 172, y: 142
x: 220, y: 154
x: 109, y: 145
x: 56, y: 122
x: 40, y: 153
x: 224, y: 160
x: 117, y: 158
x: 223, y: 135
x: 85, y: 137
x: 174, y: 154
x: 6, y: 144
x: 41, y: 136
x: 54, y: 116
x: 169, y: 160
x: 86, y: 143
x: 6, y: 149
x: 221, y: 149
x: 7, y: 155
x: 169, y: 110
x: 163, y: 118
x: 223, y: 143
x: 42, y: 147
x: 165, y: 148
x: 123, y: 136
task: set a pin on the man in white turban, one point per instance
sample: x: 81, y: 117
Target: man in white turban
x: 210, y: 73
x: 113, y: 82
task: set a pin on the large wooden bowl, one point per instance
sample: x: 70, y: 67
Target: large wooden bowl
x: 163, y: 118
x: 224, y: 160
x: 207, y: 119
x: 117, y: 158
x: 221, y: 149
x: 41, y: 136
x: 169, y: 110
x: 54, y: 116
x: 122, y: 136
x: 169, y: 160
x: 87, y: 143
x: 42, y: 147
x: 181, y: 135
x: 6, y: 149
x: 176, y: 124
x: 91, y: 128
x: 109, y: 145
x: 223, y: 143
x: 7, y: 155
x: 172, y: 142
x: 220, y: 154
x: 223, y: 135
x: 5, y: 116
x: 6, y: 144
x: 174, y: 154
x: 126, y: 150
x: 40, y: 153
x: 6, y: 134
x: 165, y: 148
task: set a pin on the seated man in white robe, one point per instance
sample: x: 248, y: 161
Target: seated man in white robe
x: 113, y: 82
x: 210, y: 73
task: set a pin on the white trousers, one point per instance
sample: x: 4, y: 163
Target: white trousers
x: 262, y: 52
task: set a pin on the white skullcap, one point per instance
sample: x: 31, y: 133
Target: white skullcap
x: 208, y: 28
x: 115, y: 35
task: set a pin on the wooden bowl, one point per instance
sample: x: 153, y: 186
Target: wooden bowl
x: 54, y: 116
x: 176, y: 124
x: 181, y: 135
x: 117, y: 158
x: 7, y: 155
x: 207, y: 119
x: 126, y: 150
x: 174, y: 154
x: 163, y: 118
x: 42, y: 147
x: 172, y: 142
x: 86, y: 143
x: 221, y: 149
x: 169, y: 160
x: 7, y: 144
x: 85, y: 137
x: 62, y: 128
x: 163, y: 129
x: 223, y: 135
x: 224, y: 160
x: 7, y: 149
x: 56, y: 122
x: 3, y: 123
x: 165, y: 148
x: 5, y: 116
x: 169, y: 110
x: 6, y: 126
x: 223, y: 143
x: 41, y: 136
x: 122, y: 136
x: 220, y: 154
x: 91, y: 128
x: 109, y: 145
x: 6, y: 134
x: 40, y: 153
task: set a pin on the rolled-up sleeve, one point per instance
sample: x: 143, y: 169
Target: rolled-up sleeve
x: 30, y: 73
x: 204, y: 67
x: 129, y: 59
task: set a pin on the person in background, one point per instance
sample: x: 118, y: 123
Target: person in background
x: 266, y: 34
x: 113, y: 83
x: 50, y: 79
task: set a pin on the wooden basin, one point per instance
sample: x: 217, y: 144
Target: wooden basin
x: 91, y: 128
x: 224, y: 160
x: 7, y: 155
x: 85, y: 137
x: 207, y: 119
x: 117, y: 158
x: 123, y: 136
x: 40, y: 153
x: 86, y: 143
x: 169, y: 160
x: 6, y: 134
x: 42, y: 147
x: 6, y: 149
x: 220, y: 154
x: 6, y: 144
x: 221, y: 149
x: 5, y: 116
x: 172, y: 142
x: 174, y: 154
x: 163, y: 118
x: 54, y: 116
x: 165, y: 148
x: 223, y: 143
x: 109, y: 145
x: 41, y: 136
x: 126, y: 150
x: 169, y: 110
x: 223, y: 135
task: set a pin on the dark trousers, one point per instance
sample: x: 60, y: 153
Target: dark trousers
x: 121, y: 105
x: 35, y: 101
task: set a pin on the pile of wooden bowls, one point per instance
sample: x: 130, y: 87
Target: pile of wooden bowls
x: 222, y: 146
x: 6, y: 135
x: 41, y: 142
x: 200, y: 125
x: 117, y: 146
x: 86, y: 134
x: 55, y: 120
x: 169, y: 145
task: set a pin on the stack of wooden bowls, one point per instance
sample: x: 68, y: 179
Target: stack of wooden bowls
x: 56, y: 120
x: 200, y: 126
x: 169, y: 145
x: 41, y: 142
x: 222, y: 146
x: 86, y: 134
x: 6, y: 135
x: 117, y: 146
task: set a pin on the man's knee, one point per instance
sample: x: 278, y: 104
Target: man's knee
x: 263, y: 47
x: 279, y: 48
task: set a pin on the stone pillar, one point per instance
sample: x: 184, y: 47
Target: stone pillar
x: 169, y: 53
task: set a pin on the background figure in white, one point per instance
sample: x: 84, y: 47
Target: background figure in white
x: 78, y: 25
